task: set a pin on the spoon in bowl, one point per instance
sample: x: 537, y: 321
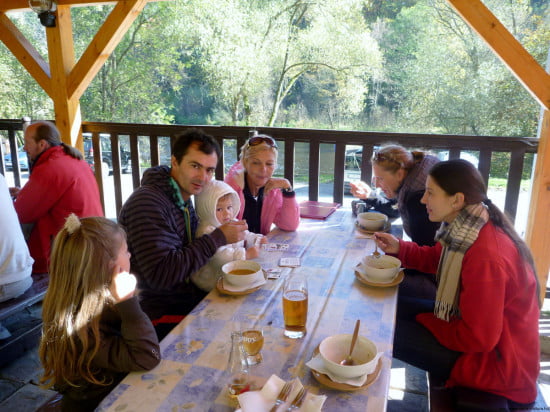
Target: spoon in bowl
x: 349, y: 361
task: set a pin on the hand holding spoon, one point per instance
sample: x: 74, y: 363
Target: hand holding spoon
x: 349, y: 361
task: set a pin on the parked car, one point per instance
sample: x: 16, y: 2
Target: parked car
x: 106, y: 154
x: 23, y: 160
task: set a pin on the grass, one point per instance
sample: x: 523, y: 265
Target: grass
x: 497, y: 183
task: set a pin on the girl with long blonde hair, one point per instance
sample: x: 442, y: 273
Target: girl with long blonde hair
x: 94, y: 330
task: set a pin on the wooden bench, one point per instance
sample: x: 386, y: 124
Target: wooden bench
x: 463, y: 399
x: 26, y: 331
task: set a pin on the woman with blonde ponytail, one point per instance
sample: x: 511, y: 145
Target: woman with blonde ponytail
x: 94, y: 330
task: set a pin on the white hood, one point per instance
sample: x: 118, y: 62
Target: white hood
x: 206, y: 201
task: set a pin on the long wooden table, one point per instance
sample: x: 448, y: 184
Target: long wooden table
x: 191, y: 374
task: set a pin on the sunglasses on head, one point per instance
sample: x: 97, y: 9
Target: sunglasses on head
x: 256, y: 140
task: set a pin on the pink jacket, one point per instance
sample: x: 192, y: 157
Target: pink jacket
x: 281, y: 210
x: 498, y: 328
x: 58, y: 186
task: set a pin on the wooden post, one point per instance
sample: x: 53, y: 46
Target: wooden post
x: 538, y: 221
x: 62, y: 60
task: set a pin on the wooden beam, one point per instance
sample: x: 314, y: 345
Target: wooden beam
x: 104, y: 42
x: 538, y: 220
x: 25, y: 52
x: 61, y: 54
x: 23, y: 5
x: 526, y: 69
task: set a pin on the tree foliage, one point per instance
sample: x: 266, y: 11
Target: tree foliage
x: 407, y: 65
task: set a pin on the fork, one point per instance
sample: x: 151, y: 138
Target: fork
x: 281, y: 397
x: 298, y: 400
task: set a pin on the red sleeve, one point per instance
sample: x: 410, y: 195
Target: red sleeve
x: 422, y: 258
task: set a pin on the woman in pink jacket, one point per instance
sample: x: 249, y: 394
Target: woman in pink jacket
x: 482, y: 331
x: 265, y: 200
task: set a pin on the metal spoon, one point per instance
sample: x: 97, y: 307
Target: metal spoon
x: 376, y: 253
x: 349, y: 361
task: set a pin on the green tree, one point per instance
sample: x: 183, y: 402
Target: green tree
x: 253, y: 53
x: 127, y: 87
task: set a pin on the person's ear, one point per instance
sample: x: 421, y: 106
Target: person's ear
x: 43, y: 145
x: 458, y: 202
x: 173, y: 161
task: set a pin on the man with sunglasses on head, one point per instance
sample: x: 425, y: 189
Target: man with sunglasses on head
x: 265, y: 200
x: 161, y: 222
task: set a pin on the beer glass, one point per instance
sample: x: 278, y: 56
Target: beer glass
x: 295, y: 306
x: 253, y: 341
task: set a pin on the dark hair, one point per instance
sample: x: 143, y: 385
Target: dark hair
x: 459, y: 175
x: 182, y: 141
x: 47, y: 131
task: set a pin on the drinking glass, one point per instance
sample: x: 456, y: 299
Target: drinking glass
x: 253, y: 341
x: 295, y: 306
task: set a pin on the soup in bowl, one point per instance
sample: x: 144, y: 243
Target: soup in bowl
x: 382, y: 269
x: 372, y: 221
x: 242, y: 272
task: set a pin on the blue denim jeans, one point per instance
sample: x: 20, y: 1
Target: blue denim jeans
x: 415, y: 345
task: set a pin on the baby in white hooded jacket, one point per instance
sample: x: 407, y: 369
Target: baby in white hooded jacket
x: 217, y: 204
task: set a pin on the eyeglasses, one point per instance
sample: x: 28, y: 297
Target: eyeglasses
x: 381, y: 157
x: 256, y: 140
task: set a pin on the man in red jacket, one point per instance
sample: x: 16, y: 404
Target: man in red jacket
x: 60, y: 183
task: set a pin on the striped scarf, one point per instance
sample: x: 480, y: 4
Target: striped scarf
x: 456, y: 238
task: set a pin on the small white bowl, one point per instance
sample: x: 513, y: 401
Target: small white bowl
x: 382, y: 269
x: 372, y: 221
x: 242, y: 272
x: 335, y: 348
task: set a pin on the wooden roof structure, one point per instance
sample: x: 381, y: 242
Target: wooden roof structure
x: 65, y: 80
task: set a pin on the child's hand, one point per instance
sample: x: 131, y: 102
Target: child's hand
x: 252, y: 252
x: 263, y: 240
x: 123, y: 286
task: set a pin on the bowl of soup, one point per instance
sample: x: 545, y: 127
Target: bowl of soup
x: 372, y: 221
x: 242, y: 272
x: 382, y: 269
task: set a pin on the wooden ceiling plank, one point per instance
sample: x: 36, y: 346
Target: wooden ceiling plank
x: 526, y: 69
x: 23, y: 5
x: 25, y: 52
x: 104, y: 42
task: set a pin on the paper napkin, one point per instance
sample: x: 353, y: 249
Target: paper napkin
x: 263, y: 400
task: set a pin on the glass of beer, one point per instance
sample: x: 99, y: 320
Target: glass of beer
x: 253, y: 341
x: 295, y: 306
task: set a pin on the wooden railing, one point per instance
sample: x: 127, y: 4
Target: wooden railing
x: 144, y: 142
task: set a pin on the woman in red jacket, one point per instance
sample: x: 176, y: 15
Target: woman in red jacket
x: 482, y: 331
